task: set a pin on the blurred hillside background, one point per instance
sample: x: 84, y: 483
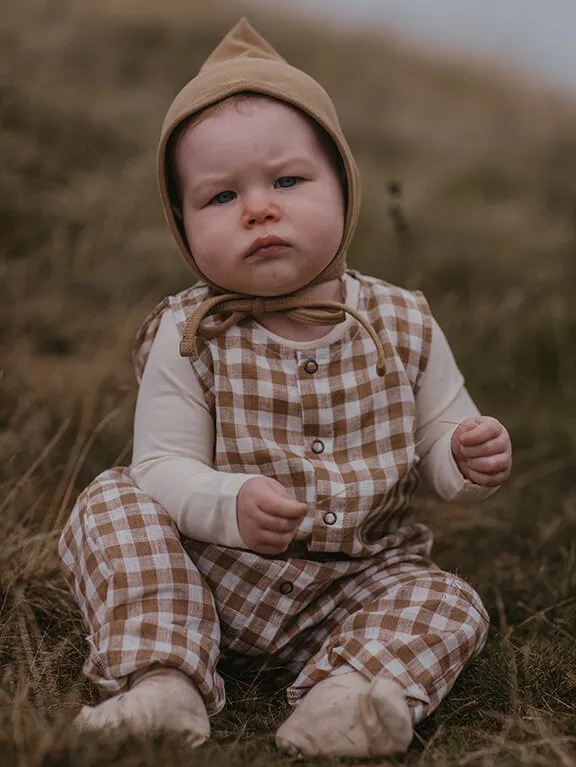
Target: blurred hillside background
x: 524, y: 35
x: 469, y: 180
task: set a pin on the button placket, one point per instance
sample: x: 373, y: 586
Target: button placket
x: 316, y: 392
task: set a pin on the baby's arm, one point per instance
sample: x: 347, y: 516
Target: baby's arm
x: 174, y: 443
x: 172, y: 461
x: 444, y: 409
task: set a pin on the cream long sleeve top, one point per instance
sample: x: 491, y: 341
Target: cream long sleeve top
x: 174, y: 433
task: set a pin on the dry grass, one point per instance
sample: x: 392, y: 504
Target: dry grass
x: 489, y: 233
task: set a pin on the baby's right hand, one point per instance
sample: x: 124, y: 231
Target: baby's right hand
x: 267, y: 517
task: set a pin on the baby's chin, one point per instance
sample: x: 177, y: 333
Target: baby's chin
x: 269, y: 285
x: 264, y: 292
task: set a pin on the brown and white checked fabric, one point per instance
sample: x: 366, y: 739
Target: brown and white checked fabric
x: 340, y: 438
x: 143, y: 603
x: 150, y: 597
x: 357, y: 590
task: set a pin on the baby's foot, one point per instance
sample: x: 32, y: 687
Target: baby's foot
x: 160, y: 698
x: 348, y: 715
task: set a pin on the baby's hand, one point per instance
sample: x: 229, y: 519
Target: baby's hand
x: 482, y: 450
x: 267, y: 517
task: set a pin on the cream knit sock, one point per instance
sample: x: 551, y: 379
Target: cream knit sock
x: 348, y: 715
x: 157, y: 698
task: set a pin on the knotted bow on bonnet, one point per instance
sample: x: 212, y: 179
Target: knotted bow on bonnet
x: 244, y: 61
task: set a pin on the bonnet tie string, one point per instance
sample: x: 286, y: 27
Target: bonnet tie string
x: 306, y: 310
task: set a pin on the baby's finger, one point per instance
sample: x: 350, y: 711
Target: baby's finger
x: 276, y: 505
x: 272, y: 543
x: 488, y: 480
x: 277, y: 524
x: 492, y: 464
x: 494, y: 446
x: 484, y: 430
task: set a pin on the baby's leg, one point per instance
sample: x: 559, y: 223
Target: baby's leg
x: 408, y: 633
x: 147, y: 609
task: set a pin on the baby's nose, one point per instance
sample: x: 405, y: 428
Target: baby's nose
x: 259, y: 212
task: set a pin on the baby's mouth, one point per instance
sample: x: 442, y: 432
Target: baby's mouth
x: 266, y: 246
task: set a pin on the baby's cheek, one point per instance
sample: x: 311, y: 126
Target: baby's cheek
x: 329, y: 230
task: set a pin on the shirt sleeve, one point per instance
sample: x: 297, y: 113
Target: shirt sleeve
x: 442, y: 402
x: 174, y: 443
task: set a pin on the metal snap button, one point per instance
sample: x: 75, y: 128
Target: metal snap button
x: 286, y: 587
x: 330, y: 518
x: 317, y: 446
x: 311, y: 366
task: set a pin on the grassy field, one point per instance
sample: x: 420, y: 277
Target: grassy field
x: 487, y: 229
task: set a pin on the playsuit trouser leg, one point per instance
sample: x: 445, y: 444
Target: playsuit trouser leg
x: 142, y: 597
x: 410, y: 622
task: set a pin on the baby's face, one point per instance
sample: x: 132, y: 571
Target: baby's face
x: 262, y: 203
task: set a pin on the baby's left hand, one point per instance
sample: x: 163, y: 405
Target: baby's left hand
x: 482, y: 450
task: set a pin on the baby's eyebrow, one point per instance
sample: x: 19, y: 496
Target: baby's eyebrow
x: 209, y: 180
x: 218, y: 180
x: 289, y: 160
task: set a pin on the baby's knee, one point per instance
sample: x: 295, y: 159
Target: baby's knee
x: 466, y: 608
x: 110, y: 511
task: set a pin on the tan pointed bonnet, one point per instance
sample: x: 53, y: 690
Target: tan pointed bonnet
x: 245, y: 61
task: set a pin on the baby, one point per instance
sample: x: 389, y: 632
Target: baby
x: 288, y: 407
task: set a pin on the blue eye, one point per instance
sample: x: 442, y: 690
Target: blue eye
x: 223, y: 197
x: 285, y: 182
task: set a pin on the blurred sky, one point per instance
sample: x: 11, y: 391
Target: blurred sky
x: 534, y: 36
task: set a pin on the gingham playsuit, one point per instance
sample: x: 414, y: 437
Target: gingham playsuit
x: 356, y: 590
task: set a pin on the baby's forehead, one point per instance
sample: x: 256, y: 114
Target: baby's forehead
x: 206, y: 125
x: 226, y: 113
